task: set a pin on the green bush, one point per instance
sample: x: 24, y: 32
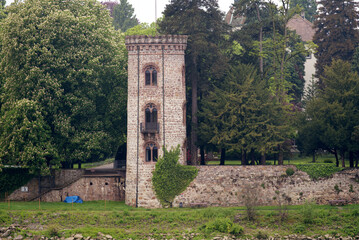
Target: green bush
x: 13, y: 178
x: 223, y: 225
x: 171, y: 178
x: 289, y: 171
x: 328, y: 161
x: 308, y: 213
x: 318, y: 170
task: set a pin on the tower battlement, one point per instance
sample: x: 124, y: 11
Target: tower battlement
x: 169, y: 42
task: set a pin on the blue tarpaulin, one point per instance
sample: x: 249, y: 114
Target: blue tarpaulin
x: 73, y: 199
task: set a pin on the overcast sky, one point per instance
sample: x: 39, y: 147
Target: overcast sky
x: 145, y: 9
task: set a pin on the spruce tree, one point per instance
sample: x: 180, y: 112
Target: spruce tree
x: 203, y: 22
x: 309, y: 7
x: 336, y: 32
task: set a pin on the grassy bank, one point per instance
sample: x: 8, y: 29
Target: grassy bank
x: 123, y: 222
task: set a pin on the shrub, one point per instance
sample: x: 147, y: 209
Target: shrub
x: 308, y: 213
x: 171, y: 178
x: 328, y: 161
x: 318, y: 170
x: 53, y: 231
x: 223, y: 225
x: 251, y: 202
x: 261, y: 235
x: 289, y: 171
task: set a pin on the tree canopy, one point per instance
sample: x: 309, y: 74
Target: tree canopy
x: 309, y: 7
x: 203, y: 22
x: 123, y: 16
x: 337, y: 33
x: 63, y: 68
x: 332, y: 116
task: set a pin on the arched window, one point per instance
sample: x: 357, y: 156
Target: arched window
x: 151, y: 76
x: 151, y: 152
x: 151, y: 117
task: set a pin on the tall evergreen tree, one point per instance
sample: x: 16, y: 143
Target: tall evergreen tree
x: 123, y: 16
x: 203, y: 22
x: 309, y: 7
x: 336, y: 32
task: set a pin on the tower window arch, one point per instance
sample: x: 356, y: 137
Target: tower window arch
x: 151, y: 117
x: 151, y: 152
x: 151, y: 76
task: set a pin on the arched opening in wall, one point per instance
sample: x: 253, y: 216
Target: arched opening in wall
x: 151, y: 115
x: 151, y: 152
x: 151, y: 76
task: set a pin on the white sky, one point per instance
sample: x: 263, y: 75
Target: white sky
x: 145, y: 9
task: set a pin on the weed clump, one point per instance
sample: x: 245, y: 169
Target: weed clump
x: 223, y: 225
x: 289, y: 171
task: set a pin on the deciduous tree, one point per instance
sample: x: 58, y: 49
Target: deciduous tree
x: 66, y: 57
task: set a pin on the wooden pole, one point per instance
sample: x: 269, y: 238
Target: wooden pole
x: 105, y: 203
x: 39, y: 204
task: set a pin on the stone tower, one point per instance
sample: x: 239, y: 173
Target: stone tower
x: 156, y: 110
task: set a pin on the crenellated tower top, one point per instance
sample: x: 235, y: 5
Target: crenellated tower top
x: 168, y: 42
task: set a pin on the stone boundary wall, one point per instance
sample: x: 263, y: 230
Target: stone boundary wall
x: 90, y: 189
x: 62, y: 178
x: 232, y: 185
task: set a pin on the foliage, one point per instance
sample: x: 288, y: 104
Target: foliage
x: 308, y: 211
x: 223, y: 225
x: 309, y: 7
x: 123, y: 16
x: 337, y: 33
x: 13, y: 178
x: 289, y: 171
x: 205, y: 61
x: 25, y: 138
x: 316, y: 171
x: 170, y: 178
x: 143, y: 29
x: 66, y: 59
x: 332, y: 116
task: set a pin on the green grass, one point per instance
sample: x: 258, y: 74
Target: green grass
x: 124, y: 222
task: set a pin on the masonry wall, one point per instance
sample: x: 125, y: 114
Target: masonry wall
x: 62, y: 177
x: 90, y: 189
x: 230, y: 185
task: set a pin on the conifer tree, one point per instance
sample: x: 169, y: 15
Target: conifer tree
x: 336, y: 32
x: 309, y: 7
x: 203, y: 22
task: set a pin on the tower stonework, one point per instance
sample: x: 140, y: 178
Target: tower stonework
x: 156, y: 110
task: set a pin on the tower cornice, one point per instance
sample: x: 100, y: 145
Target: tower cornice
x: 170, y: 42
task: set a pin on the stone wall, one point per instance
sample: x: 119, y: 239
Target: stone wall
x: 61, y: 178
x: 90, y: 189
x: 230, y: 186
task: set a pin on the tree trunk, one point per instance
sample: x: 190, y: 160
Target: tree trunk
x: 244, y: 158
x: 260, y: 41
x: 342, y: 157
x: 263, y: 159
x: 351, y: 159
x: 201, y: 149
x: 280, y: 155
x: 223, y: 156
x: 336, y: 158
x: 252, y: 157
x: 357, y: 159
x: 194, y: 124
x: 313, y: 157
x: 79, y: 165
